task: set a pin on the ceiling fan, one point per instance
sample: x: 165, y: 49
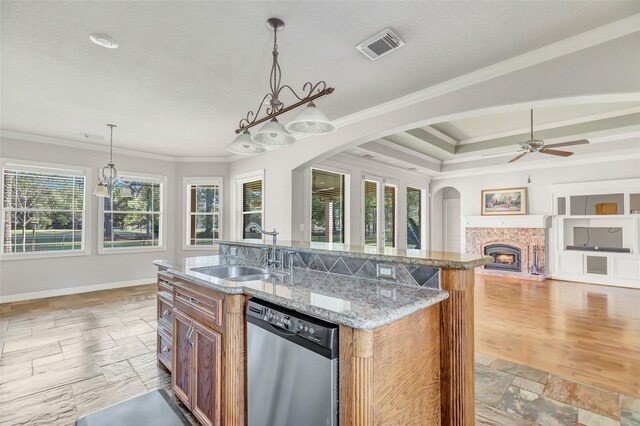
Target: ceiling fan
x: 537, y: 145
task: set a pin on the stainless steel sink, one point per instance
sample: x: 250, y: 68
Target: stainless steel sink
x: 235, y: 272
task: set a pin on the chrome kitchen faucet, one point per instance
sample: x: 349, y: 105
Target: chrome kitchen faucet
x: 270, y: 259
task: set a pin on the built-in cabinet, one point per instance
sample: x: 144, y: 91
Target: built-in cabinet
x: 596, y: 232
x: 197, y: 367
x: 201, y: 341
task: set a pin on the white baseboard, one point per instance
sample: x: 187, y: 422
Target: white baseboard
x: 73, y: 290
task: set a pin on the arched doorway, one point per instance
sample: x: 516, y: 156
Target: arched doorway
x: 446, y: 226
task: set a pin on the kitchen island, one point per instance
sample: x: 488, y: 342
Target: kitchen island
x: 405, y: 318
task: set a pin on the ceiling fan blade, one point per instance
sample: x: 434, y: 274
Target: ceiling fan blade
x: 518, y: 157
x: 558, y: 145
x: 557, y: 152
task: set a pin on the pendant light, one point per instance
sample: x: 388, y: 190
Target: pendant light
x: 109, y: 179
x: 273, y: 134
x: 311, y: 121
x: 243, y: 144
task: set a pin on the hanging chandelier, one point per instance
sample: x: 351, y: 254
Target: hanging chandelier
x: 309, y: 121
x: 109, y: 179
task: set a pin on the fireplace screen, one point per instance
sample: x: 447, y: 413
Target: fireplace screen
x: 505, y: 257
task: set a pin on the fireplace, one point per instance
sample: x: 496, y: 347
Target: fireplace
x: 505, y: 257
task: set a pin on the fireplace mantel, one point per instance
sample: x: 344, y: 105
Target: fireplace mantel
x: 519, y: 221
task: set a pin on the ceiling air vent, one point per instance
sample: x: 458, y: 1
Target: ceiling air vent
x: 380, y: 44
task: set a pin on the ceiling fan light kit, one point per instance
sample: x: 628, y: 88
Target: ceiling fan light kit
x: 537, y: 145
x: 309, y: 121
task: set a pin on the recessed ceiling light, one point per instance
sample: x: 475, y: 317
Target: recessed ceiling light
x: 103, y: 40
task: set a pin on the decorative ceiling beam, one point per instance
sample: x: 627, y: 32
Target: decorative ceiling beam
x: 432, y: 139
x: 402, y: 154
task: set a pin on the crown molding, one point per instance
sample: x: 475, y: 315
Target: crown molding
x: 102, y: 148
x: 560, y: 48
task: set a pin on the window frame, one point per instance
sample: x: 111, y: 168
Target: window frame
x: 396, y: 190
x: 186, y: 209
x: 162, y: 237
x: 86, y: 207
x: 424, y: 212
x: 347, y: 201
x: 239, y: 215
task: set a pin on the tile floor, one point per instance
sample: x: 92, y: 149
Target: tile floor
x: 64, y: 357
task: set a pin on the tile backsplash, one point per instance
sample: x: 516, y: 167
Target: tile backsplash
x: 424, y: 276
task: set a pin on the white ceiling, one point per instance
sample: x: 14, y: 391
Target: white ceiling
x: 186, y: 72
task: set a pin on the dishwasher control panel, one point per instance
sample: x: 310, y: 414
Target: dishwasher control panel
x: 309, y: 328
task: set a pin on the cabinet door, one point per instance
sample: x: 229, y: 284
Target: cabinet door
x: 181, y: 376
x: 205, y: 402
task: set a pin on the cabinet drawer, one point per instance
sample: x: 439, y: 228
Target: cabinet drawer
x: 165, y: 312
x: 165, y: 349
x: 165, y: 282
x: 205, y: 306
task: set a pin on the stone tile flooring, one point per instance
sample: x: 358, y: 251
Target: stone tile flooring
x: 65, y: 357
x: 513, y: 394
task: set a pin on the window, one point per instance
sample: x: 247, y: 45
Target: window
x: 327, y: 206
x: 43, y: 210
x: 134, y: 222
x: 251, y: 199
x: 202, y: 200
x: 414, y: 218
x: 389, y: 216
x: 370, y: 213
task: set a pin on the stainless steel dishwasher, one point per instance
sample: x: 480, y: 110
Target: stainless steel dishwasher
x: 292, y: 363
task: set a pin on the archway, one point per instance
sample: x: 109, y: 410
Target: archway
x: 445, y: 223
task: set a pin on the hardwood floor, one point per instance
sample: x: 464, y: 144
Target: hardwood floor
x: 583, y: 332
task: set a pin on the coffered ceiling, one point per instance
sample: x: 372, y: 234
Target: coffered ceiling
x: 489, y: 139
x: 186, y: 72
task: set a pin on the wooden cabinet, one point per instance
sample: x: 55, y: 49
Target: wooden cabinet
x: 197, y: 367
x: 205, y: 403
x: 201, y: 340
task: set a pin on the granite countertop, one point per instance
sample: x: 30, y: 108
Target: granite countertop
x: 351, y: 301
x: 436, y: 259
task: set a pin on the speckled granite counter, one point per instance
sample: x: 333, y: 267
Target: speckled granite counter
x: 352, y: 301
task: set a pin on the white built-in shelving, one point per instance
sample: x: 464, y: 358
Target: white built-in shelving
x: 596, y: 248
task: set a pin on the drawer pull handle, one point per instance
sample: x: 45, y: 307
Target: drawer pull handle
x: 165, y: 313
x: 165, y: 349
x: 194, y: 300
x: 188, y: 336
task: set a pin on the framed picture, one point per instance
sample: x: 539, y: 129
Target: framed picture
x: 508, y: 201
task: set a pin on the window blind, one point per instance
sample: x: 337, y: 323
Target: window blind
x: 42, y: 211
x: 327, y: 206
x: 370, y: 213
x: 251, y: 207
x: 134, y: 221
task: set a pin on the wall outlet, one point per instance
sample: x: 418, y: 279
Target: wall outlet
x: 386, y: 271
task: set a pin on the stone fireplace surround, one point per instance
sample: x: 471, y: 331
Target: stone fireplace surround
x: 522, y: 232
